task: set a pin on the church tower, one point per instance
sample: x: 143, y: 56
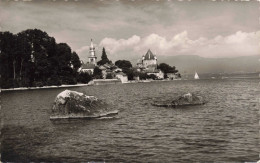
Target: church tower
x: 92, y: 57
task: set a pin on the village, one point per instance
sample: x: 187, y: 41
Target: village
x: 147, y: 69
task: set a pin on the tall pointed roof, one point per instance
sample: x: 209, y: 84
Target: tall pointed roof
x: 92, y: 50
x: 149, y: 55
x: 91, y: 44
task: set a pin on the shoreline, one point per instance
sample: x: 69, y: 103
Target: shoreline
x: 44, y: 87
x: 107, y: 80
x: 78, y: 85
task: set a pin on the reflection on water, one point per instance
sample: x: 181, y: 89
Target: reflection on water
x: 224, y: 129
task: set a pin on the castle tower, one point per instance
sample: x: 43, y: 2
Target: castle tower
x: 149, y: 59
x: 92, y: 57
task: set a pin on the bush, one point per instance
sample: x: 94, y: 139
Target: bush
x: 54, y: 80
x: 109, y: 76
x: 97, y: 74
x: 84, y: 77
x: 25, y: 82
x: 130, y: 74
x: 69, y: 80
x: 142, y: 76
x: 38, y: 84
x: 5, y: 84
x: 152, y: 76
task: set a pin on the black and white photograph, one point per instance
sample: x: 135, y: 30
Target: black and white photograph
x: 109, y: 81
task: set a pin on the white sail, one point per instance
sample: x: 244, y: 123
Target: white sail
x: 196, y: 76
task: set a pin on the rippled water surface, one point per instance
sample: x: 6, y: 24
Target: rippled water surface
x: 224, y: 129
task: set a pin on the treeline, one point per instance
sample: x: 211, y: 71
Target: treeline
x: 33, y: 58
x: 131, y: 71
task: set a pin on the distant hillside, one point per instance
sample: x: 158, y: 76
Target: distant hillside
x: 189, y: 63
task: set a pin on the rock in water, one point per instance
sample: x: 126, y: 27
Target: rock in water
x: 188, y: 99
x: 72, y: 104
x: 184, y: 100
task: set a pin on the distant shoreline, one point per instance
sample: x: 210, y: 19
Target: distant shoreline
x: 44, y: 87
x: 109, y: 80
x: 78, y: 85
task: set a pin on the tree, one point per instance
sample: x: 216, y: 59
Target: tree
x: 97, y: 74
x: 143, y: 76
x: 109, y: 76
x: 124, y: 65
x: 104, y: 58
x: 32, y: 58
x: 167, y: 68
x: 75, y: 61
x: 130, y: 74
x: 7, y: 40
x: 152, y: 76
x: 65, y: 65
x: 84, y: 77
x: 104, y: 55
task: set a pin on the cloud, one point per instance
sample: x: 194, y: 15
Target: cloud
x: 128, y: 29
x: 112, y: 45
x: 237, y: 44
x: 82, y: 49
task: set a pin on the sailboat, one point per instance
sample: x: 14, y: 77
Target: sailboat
x: 196, y: 76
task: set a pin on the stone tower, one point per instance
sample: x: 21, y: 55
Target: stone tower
x: 149, y: 59
x: 92, y: 57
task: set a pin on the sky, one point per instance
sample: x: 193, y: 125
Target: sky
x: 128, y: 28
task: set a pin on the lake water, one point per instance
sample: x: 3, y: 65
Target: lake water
x: 224, y: 129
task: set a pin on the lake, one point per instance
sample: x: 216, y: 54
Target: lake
x: 224, y: 129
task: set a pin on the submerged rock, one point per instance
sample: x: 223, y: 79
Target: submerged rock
x: 184, y: 100
x: 72, y: 104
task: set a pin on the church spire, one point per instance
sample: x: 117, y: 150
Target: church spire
x: 92, y: 58
x: 91, y: 44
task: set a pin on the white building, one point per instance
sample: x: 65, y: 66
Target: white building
x: 89, y: 68
x: 122, y: 76
x: 92, y: 59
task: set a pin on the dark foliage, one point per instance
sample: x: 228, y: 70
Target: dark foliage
x: 109, y: 76
x: 32, y: 58
x: 124, y: 65
x: 143, y: 76
x: 152, y: 76
x: 97, y: 74
x: 104, y: 58
x: 167, y: 68
x: 84, y: 77
x: 130, y: 74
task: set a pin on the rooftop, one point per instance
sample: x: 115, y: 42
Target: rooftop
x: 149, y: 55
x: 88, y: 66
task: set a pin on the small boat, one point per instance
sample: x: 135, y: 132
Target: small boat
x: 196, y: 76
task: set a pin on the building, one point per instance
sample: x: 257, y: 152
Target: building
x: 158, y: 73
x: 149, y: 60
x: 122, y: 76
x: 92, y: 59
x: 108, y: 69
x: 148, y: 65
x: 88, y: 67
